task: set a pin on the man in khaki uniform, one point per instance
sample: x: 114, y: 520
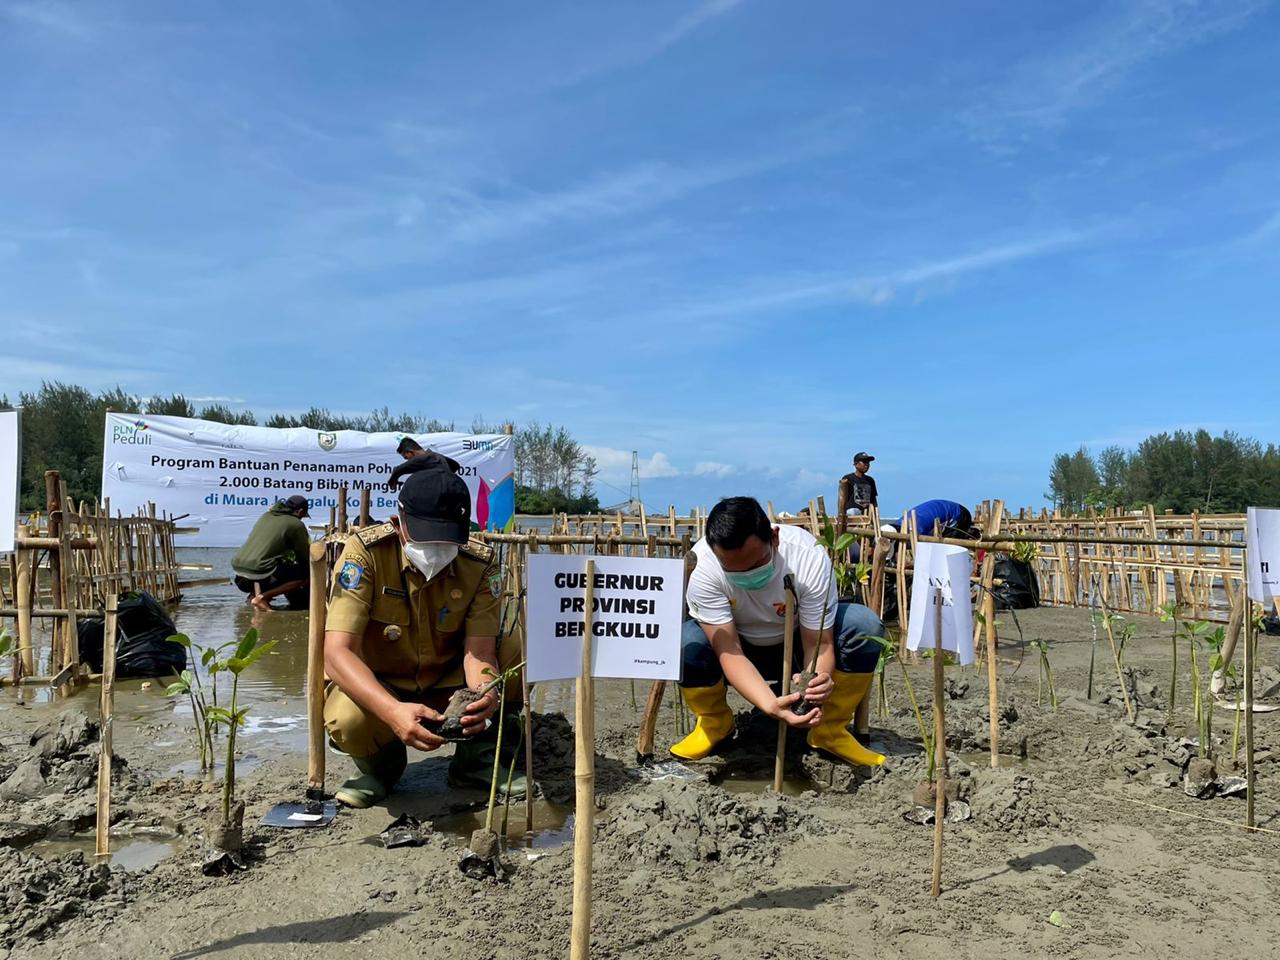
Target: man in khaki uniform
x: 413, y: 616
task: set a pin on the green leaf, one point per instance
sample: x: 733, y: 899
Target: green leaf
x: 6, y: 644
x: 249, y: 641
x: 219, y: 715
x: 1058, y: 920
x: 844, y: 541
x: 181, y: 639
x: 238, y: 665
x: 178, y: 688
x: 207, y: 656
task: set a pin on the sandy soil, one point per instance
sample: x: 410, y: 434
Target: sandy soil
x: 1087, y: 817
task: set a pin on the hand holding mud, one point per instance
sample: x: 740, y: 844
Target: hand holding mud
x: 406, y: 722
x: 784, y: 709
x: 815, y: 687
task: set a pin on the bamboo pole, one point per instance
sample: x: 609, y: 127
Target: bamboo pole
x: 107, y: 702
x: 53, y: 511
x: 315, y: 671
x: 342, y: 508
x: 365, y: 494
x: 522, y: 611
x: 788, y: 640
x: 22, y: 598
x: 939, y: 744
x: 989, y: 613
x: 584, y: 786
x: 70, y: 591
x: 1247, y: 627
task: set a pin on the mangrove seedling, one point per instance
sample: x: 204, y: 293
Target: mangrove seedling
x: 1045, y: 677
x: 925, y: 736
x: 247, y: 652
x: 484, y: 848
x: 1192, y: 633
x: 1109, y: 623
x: 1169, y: 614
x: 1025, y: 551
x: 838, y: 545
x: 802, y: 706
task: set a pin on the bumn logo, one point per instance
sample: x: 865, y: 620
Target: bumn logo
x: 327, y: 441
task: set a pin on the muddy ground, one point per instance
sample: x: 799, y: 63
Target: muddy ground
x: 1087, y: 818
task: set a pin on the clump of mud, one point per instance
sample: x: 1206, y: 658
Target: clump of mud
x: 682, y: 823
x: 1009, y: 801
x: 41, y: 894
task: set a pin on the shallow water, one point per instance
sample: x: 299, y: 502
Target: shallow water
x: 125, y: 854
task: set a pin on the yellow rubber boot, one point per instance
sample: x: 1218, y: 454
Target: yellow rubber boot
x: 715, y: 720
x: 832, y: 734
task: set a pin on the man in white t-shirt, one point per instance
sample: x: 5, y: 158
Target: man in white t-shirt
x: 737, y: 602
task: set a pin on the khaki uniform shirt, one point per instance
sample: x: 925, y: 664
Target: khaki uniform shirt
x: 413, y: 630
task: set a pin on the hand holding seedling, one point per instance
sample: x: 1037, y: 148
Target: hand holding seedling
x: 784, y: 709
x: 817, y: 688
x: 477, y: 713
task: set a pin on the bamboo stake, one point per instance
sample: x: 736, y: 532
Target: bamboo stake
x: 22, y: 598
x: 1247, y: 627
x: 522, y: 611
x: 342, y: 509
x: 107, y: 701
x: 584, y: 786
x: 939, y: 744
x: 989, y: 612
x: 315, y: 671
x: 364, y: 507
x: 788, y: 628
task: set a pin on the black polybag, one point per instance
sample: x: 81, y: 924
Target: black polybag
x: 142, y: 645
x: 1020, y: 589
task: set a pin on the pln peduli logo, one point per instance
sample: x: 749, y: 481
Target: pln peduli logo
x: 133, y: 434
x: 327, y: 441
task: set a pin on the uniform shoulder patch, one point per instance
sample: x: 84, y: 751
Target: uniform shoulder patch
x: 350, y: 575
x: 476, y: 550
x: 371, y: 535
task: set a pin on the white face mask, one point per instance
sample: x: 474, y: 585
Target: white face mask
x: 430, y: 558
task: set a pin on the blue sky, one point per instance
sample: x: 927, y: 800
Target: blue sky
x: 744, y: 238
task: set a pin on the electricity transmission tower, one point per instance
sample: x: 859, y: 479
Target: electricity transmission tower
x: 635, y: 480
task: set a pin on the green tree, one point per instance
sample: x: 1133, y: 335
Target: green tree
x: 1073, y: 480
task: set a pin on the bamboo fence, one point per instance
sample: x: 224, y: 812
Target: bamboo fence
x: 66, y: 562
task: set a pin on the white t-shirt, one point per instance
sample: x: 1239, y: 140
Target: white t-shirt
x: 758, y: 614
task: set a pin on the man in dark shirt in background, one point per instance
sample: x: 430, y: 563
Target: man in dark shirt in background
x: 862, y: 488
x: 274, y: 559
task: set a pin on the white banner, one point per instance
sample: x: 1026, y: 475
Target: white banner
x: 221, y: 477
x: 1262, y: 533
x: 636, y: 618
x: 941, y: 569
x: 10, y: 476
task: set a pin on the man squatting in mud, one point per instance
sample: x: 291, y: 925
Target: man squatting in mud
x: 414, y: 615
x: 737, y: 602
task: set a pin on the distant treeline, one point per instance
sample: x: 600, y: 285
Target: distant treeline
x: 62, y: 428
x: 1183, y: 471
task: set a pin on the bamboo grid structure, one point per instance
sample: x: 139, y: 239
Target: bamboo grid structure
x: 67, y: 561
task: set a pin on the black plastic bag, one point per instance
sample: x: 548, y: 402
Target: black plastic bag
x: 1271, y: 624
x: 142, y: 645
x: 1021, y: 588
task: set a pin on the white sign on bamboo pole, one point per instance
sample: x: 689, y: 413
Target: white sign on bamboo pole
x: 1262, y: 535
x: 10, y: 471
x: 940, y: 566
x: 636, y: 607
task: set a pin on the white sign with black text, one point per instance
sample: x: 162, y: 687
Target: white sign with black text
x: 940, y: 566
x: 636, y: 617
x: 10, y: 473
x: 1262, y: 534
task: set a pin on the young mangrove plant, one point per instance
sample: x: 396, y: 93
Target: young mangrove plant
x: 1169, y: 614
x: 1110, y: 622
x: 1193, y: 633
x: 248, y: 651
x: 837, y: 546
x: 925, y: 736
x: 1045, y: 677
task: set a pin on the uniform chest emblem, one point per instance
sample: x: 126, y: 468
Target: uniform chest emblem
x: 350, y: 575
x: 455, y: 594
x: 495, y: 585
x: 781, y: 608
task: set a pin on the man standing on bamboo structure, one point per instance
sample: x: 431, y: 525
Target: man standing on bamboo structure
x: 863, y: 494
x: 414, y: 617
x: 273, y: 560
x: 737, y: 601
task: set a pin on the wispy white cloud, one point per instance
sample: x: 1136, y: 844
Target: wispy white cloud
x: 703, y: 13
x: 1044, y: 90
x: 879, y: 287
x: 218, y: 399
x: 62, y: 18
x: 710, y: 468
x: 615, y: 465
